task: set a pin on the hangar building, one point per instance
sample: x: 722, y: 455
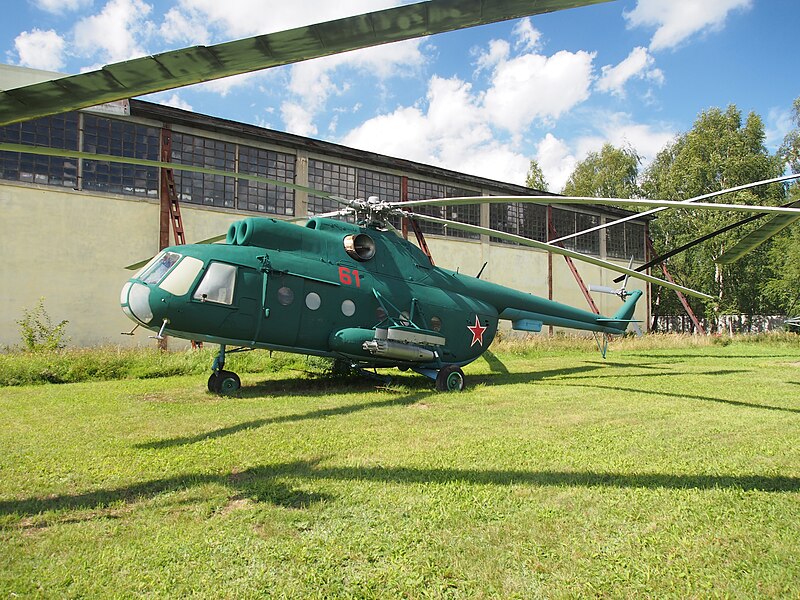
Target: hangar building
x: 69, y: 226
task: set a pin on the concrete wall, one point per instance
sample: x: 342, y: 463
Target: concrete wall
x: 71, y: 247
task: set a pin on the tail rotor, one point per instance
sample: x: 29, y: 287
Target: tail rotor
x: 622, y: 293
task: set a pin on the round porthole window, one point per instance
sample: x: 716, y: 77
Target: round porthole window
x: 380, y: 313
x: 285, y: 296
x: 313, y: 301
x: 348, y: 308
x: 436, y: 323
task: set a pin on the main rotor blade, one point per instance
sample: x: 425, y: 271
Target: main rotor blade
x: 587, y: 200
x: 198, y: 64
x: 666, y: 255
x: 653, y: 211
x: 557, y: 250
x: 551, y: 199
x: 755, y: 238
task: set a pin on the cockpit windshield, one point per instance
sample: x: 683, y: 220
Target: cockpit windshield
x: 158, y: 267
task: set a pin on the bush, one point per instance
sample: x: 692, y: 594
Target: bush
x: 38, y: 332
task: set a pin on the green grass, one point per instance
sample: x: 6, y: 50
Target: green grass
x: 671, y: 469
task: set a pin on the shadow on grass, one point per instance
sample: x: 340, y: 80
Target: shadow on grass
x: 665, y: 374
x: 684, y: 396
x: 529, y: 377
x: 495, y: 364
x: 268, y: 484
x: 321, y: 413
x: 420, y: 388
x: 677, y: 355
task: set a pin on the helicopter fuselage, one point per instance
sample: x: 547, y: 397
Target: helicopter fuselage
x: 332, y: 288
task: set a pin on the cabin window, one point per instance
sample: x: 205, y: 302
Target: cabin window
x: 158, y: 267
x: 313, y: 301
x: 181, y: 278
x: 217, y: 284
x: 436, y: 323
x: 348, y: 308
x: 285, y: 296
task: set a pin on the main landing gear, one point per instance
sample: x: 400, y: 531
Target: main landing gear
x: 222, y: 381
x: 450, y: 379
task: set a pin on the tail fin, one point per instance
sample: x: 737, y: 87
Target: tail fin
x: 624, y: 315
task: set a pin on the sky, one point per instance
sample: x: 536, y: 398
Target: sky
x: 484, y: 101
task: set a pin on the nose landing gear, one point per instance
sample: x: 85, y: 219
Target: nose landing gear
x: 222, y: 381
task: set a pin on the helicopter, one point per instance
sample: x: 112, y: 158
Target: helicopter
x: 355, y: 292
x: 358, y: 293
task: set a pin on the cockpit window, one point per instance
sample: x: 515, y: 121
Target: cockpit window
x: 217, y: 284
x: 181, y: 278
x: 159, y: 266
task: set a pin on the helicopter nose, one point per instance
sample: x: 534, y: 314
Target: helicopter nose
x: 135, y: 299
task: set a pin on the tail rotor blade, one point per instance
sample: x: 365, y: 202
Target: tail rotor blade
x: 602, y: 289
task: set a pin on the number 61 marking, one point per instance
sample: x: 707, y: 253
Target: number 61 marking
x: 347, y: 276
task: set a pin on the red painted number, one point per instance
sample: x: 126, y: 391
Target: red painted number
x: 347, y: 276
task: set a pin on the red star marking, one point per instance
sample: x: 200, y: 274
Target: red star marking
x: 477, y: 332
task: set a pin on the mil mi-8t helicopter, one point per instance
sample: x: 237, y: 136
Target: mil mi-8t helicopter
x: 356, y: 292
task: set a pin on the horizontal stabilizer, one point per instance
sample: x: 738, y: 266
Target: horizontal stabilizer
x: 619, y: 321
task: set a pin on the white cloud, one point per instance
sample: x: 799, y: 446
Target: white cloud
x: 619, y: 130
x: 638, y: 64
x: 556, y: 161
x: 499, y: 51
x: 313, y: 82
x: 116, y: 32
x: 677, y: 20
x: 39, y: 49
x: 298, y: 119
x: 778, y: 125
x: 482, y: 132
x: 187, y: 27
x: 558, y: 158
x: 533, y: 86
x: 402, y: 133
x: 60, y: 6
x: 176, y: 101
x: 528, y: 37
x: 452, y: 133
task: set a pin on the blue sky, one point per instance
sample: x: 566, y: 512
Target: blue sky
x: 484, y: 101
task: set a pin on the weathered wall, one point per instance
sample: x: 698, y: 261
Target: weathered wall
x: 71, y: 248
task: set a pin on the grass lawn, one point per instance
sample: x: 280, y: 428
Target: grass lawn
x: 666, y: 470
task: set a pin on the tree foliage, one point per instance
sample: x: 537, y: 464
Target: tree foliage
x: 610, y: 173
x: 790, y: 149
x: 720, y: 151
x: 536, y: 179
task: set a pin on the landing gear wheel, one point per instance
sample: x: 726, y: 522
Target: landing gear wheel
x: 228, y: 383
x: 450, y: 379
x: 213, y: 383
